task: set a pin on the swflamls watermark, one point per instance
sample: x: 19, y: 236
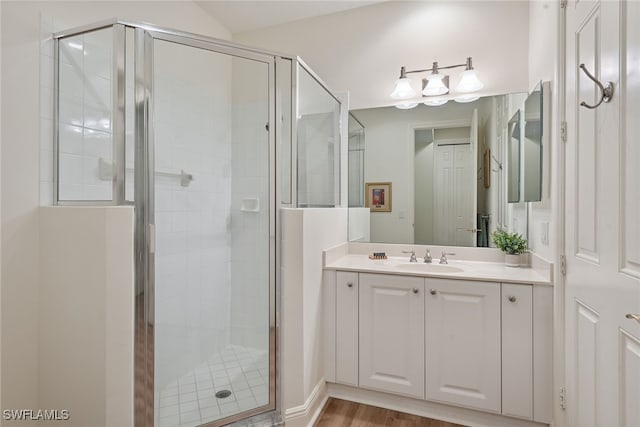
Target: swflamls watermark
x: 36, y: 414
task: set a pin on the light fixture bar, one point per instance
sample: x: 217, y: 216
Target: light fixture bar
x: 467, y: 64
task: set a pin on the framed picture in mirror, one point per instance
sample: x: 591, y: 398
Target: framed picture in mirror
x: 378, y: 196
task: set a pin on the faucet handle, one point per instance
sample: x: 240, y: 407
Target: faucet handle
x: 413, y: 255
x: 443, y: 258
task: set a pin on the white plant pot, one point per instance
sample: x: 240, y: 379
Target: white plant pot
x: 511, y: 260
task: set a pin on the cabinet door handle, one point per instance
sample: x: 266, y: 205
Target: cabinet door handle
x: 350, y: 284
x: 512, y: 298
x: 635, y: 317
x: 433, y: 292
x: 415, y: 290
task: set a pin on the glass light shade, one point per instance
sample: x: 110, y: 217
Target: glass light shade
x: 435, y: 86
x: 466, y: 98
x: 435, y: 102
x: 469, y: 82
x: 403, y: 89
x: 406, y: 105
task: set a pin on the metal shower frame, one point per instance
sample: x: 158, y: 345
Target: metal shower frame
x: 144, y: 35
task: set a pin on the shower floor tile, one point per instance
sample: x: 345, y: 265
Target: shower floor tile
x: 190, y: 400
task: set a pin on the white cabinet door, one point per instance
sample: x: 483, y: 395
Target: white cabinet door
x: 517, y: 350
x: 347, y: 328
x: 463, y: 343
x: 392, y: 334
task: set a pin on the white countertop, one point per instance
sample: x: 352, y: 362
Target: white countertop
x: 472, y: 270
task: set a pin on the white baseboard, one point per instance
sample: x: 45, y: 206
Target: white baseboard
x: 423, y: 408
x: 305, y: 415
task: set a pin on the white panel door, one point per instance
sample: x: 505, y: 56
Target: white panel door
x: 392, y: 334
x: 455, y: 196
x: 517, y: 350
x: 443, y: 191
x: 463, y: 343
x: 602, y: 207
x: 347, y: 328
x: 463, y: 196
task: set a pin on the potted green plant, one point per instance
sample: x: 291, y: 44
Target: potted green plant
x: 512, y: 244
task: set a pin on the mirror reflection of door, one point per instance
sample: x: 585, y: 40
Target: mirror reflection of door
x: 445, y: 179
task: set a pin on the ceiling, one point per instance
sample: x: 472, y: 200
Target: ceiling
x: 248, y: 15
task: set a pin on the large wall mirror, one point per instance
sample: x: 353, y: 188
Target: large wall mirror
x: 447, y: 167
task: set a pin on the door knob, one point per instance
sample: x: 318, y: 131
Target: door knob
x: 635, y: 317
x: 433, y: 292
x: 511, y: 298
x: 415, y: 290
x: 349, y: 284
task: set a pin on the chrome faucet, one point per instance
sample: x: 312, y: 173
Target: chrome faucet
x: 427, y: 257
x: 413, y: 255
x: 443, y: 258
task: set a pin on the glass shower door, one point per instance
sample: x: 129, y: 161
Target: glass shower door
x: 214, y: 276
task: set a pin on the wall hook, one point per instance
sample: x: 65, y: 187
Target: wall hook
x: 606, y: 92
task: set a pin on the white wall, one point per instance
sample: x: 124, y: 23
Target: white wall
x: 543, y: 65
x: 21, y: 139
x: 306, y: 233
x: 86, y: 314
x: 362, y: 50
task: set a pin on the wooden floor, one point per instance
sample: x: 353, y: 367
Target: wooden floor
x: 342, y: 413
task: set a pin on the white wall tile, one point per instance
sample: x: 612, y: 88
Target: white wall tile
x: 71, y: 81
x: 70, y: 168
x: 97, y: 144
x: 71, y: 111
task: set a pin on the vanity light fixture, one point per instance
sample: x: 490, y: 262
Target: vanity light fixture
x: 407, y: 105
x: 466, y: 98
x: 436, y: 84
x: 403, y: 88
x: 436, y: 102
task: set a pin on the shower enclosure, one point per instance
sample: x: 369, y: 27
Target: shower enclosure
x: 207, y: 140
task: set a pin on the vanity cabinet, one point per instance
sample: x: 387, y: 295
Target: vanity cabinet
x: 391, y: 356
x: 474, y: 344
x: 463, y: 343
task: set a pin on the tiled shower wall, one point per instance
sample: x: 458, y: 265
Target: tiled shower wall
x: 85, y: 140
x: 250, y: 205
x: 192, y: 134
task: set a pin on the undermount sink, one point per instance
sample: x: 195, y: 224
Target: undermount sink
x: 429, y: 268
